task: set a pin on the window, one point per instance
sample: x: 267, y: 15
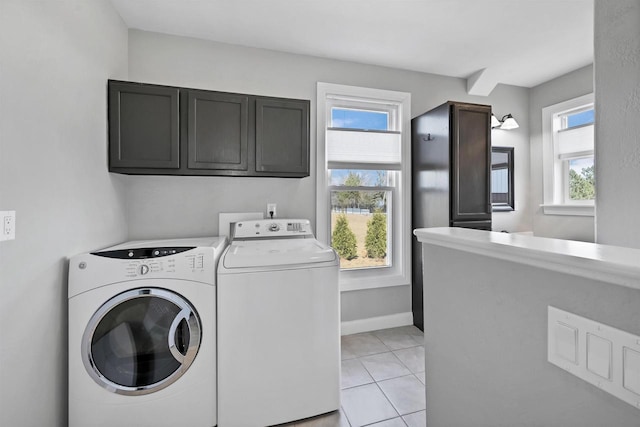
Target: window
x: 568, y: 150
x: 363, y: 200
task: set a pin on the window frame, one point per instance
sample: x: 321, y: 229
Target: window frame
x: 556, y: 166
x: 341, y: 96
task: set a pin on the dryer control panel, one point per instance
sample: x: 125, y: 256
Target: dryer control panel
x: 142, y: 253
x: 150, y: 261
x: 142, y: 268
x: 271, y: 229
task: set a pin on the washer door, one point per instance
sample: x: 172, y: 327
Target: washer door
x: 141, y: 341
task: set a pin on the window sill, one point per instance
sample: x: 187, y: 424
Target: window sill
x: 569, y: 210
x: 351, y: 282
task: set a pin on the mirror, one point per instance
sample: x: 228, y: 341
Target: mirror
x: 502, y: 198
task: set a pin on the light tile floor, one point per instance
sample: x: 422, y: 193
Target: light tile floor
x: 382, y: 381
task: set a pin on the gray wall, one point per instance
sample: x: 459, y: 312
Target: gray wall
x: 188, y: 206
x: 569, y: 86
x: 181, y: 61
x: 56, y: 57
x: 617, y: 80
x: 486, y: 344
x: 367, y: 303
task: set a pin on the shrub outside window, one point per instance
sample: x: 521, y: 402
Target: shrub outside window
x: 362, y: 199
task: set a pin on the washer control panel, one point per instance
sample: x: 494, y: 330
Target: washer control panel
x: 271, y: 228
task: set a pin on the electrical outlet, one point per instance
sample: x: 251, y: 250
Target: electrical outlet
x: 271, y: 210
x: 8, y: 225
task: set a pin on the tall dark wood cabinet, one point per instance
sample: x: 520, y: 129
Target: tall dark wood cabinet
x: 163, y: 130
x: 451, y: 170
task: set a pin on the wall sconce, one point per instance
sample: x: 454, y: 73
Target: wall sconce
x: 507, y: 122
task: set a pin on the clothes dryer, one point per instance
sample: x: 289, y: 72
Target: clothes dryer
x: 278, y: 325
x: 142, y: 334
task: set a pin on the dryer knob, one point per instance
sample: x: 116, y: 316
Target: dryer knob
x: 144, y: 269
x: 274, y: 227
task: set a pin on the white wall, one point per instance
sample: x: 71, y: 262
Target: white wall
x: 617, y: 82
x: 177, y: 206
x: 56, y: 57
x: 520, y: 219
x: 563, y: 88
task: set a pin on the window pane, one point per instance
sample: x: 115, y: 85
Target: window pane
x: 360, y: 178
x: 360, y: 228
x: 500, y: 185
x: 582, y: 179
x: 359, y: 119
x: 580, y: 119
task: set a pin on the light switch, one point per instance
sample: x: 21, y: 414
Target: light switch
x: 566, y: 342
x: 599, y: 356
x: 631, y: 370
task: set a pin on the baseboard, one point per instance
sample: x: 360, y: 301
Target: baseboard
x: 375, y: 323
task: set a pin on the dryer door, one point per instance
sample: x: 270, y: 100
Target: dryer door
x: 141, y: 341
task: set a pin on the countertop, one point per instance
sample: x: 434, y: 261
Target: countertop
x: 613, y: 264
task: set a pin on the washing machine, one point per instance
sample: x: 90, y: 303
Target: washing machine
x: 142, y: 334
x: 278, y: 325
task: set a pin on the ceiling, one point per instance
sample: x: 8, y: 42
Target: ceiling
x: 515, y: 42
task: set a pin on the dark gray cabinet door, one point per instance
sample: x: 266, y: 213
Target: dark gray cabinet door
x: 144, y: 126
x: 282, y: 137
x: 218, y: 125
x: 471, y: 158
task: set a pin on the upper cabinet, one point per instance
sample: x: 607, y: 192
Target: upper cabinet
x: 281, y: 124
x: 218, y: 127
x: 451, y: 162
x: 470, y: 162
x: 160, y: 130
x: 144, y: 126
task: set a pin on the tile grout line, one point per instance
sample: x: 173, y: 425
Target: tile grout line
x: 376, y: 382
x: 390, y: 402
x: 343, y: 412
x: 386, y: 419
